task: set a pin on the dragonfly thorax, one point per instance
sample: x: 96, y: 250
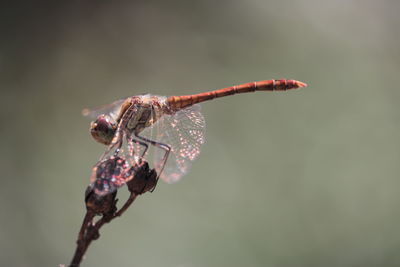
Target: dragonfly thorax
x: 143, y: 111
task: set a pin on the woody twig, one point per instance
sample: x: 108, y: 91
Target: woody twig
x: 144, y: 180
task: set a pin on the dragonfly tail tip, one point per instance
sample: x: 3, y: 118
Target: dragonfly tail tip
x: 300, y: 84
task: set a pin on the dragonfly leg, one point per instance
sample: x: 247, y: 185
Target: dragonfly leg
x: 163, y: 146
x: 146, y: 147
x: 117, y: 142
x: 118, y: 148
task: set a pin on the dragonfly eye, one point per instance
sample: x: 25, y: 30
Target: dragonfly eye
x: 103, y: 129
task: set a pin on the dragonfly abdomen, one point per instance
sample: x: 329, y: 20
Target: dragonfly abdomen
x: 179, y: 102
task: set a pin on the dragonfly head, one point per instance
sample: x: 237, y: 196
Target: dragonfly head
x: 103, y: 129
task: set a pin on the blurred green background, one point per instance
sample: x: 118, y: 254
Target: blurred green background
x: 303, y: 178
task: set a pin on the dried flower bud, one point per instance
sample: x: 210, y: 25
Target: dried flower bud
x: 143, y: 180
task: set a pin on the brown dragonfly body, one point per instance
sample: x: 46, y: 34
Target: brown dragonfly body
x: 147, y: 109
x: 179, y: 102
x: 177, y: 121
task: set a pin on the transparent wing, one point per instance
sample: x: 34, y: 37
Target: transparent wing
x: 110, y: 109
x: 184, y: 132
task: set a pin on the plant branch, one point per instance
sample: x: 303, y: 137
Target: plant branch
x: 144, y: 180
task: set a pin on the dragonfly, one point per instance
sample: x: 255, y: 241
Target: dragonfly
x: 173, y: 126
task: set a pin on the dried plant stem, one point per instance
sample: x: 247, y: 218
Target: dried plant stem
x: 105, y: 206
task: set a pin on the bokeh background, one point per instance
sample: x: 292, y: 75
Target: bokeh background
x: 303, y: 178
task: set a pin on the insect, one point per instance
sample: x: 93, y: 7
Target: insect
x: 173, y: 125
